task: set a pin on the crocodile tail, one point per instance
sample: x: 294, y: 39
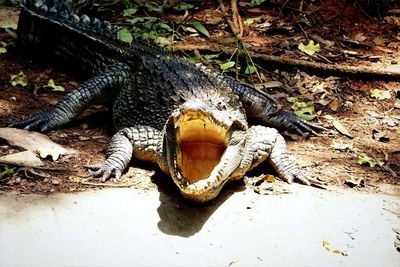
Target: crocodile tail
x: 55, y: 34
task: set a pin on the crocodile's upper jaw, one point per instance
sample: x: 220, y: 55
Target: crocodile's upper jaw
x: 200, y: 152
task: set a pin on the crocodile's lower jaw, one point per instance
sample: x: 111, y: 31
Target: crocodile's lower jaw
x: 201, y: 144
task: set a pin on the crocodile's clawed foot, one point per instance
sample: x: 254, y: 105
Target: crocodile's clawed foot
x: 105, y: 171
x: 43, y: 121
x: 295, y: 124
x: 298, y: 177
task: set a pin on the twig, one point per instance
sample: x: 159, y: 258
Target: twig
x: 237, y: 20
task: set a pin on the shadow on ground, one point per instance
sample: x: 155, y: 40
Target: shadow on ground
x: 180, y: 217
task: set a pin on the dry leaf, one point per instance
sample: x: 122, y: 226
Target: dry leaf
x: 379, y: 41
x: 359, y: 37
x: 334, y: 105
x: 34, y: 141
x: 25, y: 159
x: 341, y: 129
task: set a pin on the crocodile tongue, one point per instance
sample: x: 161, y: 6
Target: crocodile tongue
x: 203, y: 149
x: 201, y: 144
x: 206, y: 189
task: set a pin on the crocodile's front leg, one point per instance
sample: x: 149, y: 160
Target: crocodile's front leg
x: 264, y: 143
x: 72, y: 104
x: 143, y: 142
x: 262, y: 108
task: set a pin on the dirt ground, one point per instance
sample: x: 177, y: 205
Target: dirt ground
x: 345, y: 99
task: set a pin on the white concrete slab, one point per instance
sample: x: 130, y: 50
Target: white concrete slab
x: 131, y: 227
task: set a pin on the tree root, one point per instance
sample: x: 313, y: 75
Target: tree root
x: 334, y: 69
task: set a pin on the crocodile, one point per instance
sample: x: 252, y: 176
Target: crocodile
x: 189, y: 120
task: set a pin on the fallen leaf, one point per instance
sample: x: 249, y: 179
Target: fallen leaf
x: 227, y: 65
x: 341, y: 146
x: 54, y: 87
x: 381, y: 137
x: 373, y: 114
x: 326, y: 245
x: 380, y: 94
x: 6, y: 172
x: 250, y: 69
x: 397, y: 104
x: 310, y: 48
x: 250, y: 21
x: 200, y: 28
x: 341, y: 129
x: 18, y: 79
x: 302, y: 110
x: 34, y: 141
x: 362, y: 160
x: 129, y: 12
x: 25, y: 159
x: 334, y: 105
x: 359, y: 37
x: 390, y: 122
x: 124, y: 35
x: 355, y: 183
x: 378, y: 40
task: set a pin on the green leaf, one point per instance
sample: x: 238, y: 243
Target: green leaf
x: 227, y: 65
x: 3, y: 48
x: 162, y: 41
x: 12, y: 33
x: 200, y: 28
x: 8, y: 28
x: 304, y: 116
x: 380, y: 94
x: 124, y: 35
x: 309, y: 49
x: 6, y: 25
x: 250, y: 69
x: 7, y: 171
x: 54, y: 87
x: 129, y: 12
x: 18, y: 79
x: 153, y: 7
x: 250, y: 21
x: 211, y: 56
x: 341, y: 129
x: 303, y: 110
x: 326, y: 244
x: 256, y: 2
x: 165, y: 26
x: 362, y: 160
x: 183, y: 7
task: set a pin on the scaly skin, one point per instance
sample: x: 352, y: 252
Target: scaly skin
x: 160, y: 103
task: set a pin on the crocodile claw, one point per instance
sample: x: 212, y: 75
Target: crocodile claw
x: 105, y: 171
x: 43, y: 121
x: 291, y: 122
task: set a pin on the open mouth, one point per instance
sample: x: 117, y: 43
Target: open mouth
x: 201, y: 145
